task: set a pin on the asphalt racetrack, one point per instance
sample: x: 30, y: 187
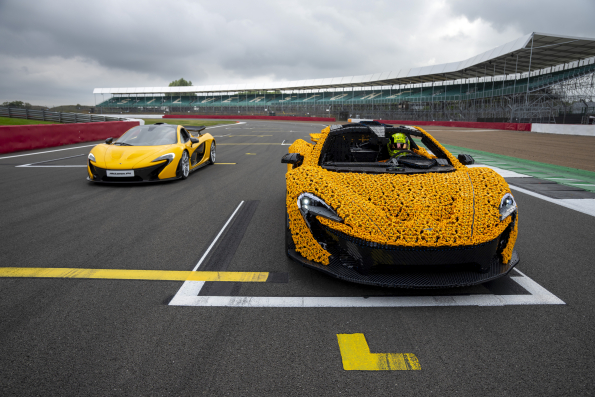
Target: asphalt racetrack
x: 529, y: 334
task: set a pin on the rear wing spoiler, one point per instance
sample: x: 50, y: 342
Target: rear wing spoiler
x: 194, y: 129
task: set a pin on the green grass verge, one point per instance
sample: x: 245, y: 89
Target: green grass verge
x: 15, y: 121
x: 195, y: 122
x: 573, y: 177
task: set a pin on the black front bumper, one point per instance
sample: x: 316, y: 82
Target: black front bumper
x: 406, y: 267
x: 147, y: 174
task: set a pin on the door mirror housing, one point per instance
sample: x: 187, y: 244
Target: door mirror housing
x: 292, y: 158
x: 109, y: 141
x: 466, y: 159
x: 194, y: 140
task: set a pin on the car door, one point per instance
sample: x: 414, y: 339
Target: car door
x: 185, y: 140
x: 196, y: 150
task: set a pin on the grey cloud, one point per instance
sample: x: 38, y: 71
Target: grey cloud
x: 126, y: 43
x: 570, y: 17
x: 157, y: 39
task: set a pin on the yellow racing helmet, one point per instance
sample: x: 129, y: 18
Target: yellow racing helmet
x: 398, y: 142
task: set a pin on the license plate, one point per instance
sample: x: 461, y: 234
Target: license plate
x: 120, y: 173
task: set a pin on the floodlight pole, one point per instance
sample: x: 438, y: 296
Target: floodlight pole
x: 461, y: 90
x: 514, y: 87
x: 529, y: 75
x: 504, y: 81
x: 468, y: 85
x: 475, y: 94
x: 494, y: 90
x: 432, y: 112
x: 372, y: 100
x: 483, y: 94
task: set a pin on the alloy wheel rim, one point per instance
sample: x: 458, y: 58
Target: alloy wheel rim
x: 185, y: 164
x: 213, y: 153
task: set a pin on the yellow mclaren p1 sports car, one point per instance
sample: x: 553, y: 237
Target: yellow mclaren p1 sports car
x: 362, y: 210
x: 151, y: 153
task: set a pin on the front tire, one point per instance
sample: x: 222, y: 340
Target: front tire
x: 289, y: 244
x: 184, y: 165
x: 213, y: 153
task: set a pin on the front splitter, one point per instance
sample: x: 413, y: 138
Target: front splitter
x: 133, y: 182
x: 413, y: 278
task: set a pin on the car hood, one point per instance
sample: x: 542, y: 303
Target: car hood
x: 126, y: 157
x: 430, y: 209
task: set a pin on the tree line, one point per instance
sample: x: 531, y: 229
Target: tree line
x: 17, y: 104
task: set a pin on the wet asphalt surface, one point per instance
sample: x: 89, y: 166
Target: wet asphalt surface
x: 73, y: 337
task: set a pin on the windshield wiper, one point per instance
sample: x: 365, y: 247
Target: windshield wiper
x: 122, y: 143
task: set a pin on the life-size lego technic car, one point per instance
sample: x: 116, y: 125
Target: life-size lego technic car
x: 151, y: 153
x: 418, y: 219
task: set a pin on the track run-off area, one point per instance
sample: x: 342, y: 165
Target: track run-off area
x: 184, y: 288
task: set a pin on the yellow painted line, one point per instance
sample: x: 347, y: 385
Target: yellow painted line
x: 120, y: 274
x: 226, y: 163
x: 252, y: 154
x: 356, y: 356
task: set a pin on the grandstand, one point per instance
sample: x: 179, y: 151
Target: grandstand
x: 536, y: 78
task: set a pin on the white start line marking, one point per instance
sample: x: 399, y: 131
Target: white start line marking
x: 192, y: 288
x: 537, y: 296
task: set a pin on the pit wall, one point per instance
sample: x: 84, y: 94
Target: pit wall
x: 16, y: 138
x: 236, y: 117
x: 462, y: 124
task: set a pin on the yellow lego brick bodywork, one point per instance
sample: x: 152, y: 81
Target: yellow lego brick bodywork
x: 416, y: 210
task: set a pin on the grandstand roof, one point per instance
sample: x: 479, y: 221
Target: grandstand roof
x: 539, y: 50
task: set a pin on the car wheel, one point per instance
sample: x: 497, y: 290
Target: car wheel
x: 289, y: 244
x: 213, y: 153
x: 185, y: 165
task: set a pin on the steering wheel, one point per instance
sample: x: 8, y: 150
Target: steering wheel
x: 409, y: 152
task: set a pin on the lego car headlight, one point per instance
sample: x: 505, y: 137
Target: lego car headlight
x: 310, y: 204
x: 168, y: 156
x: 91, y: 157
x: 507, y: 206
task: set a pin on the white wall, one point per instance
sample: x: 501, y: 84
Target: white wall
x: 565, y: 129
x: 142, y: 122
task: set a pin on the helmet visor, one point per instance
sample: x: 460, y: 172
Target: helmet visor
x: 398, y: 146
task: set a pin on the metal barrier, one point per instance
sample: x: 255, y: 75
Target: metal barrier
x: 60, y: 117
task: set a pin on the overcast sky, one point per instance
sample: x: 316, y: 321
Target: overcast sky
x: 56, y: 52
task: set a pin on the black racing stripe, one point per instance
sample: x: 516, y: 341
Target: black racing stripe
x: 222, y: 255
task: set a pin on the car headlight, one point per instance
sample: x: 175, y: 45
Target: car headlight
x: 91, y: 157
x: 507, y: 206
x: 309, y: 204
x: 168, y: 156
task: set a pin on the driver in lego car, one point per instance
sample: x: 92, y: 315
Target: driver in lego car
x: 398, y: 145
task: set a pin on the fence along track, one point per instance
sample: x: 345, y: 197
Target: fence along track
x: 60, y: 117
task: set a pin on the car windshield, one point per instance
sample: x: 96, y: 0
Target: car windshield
x: 149, y: 135
x: 360, y: 149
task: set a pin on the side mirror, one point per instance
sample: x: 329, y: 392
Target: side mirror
x: 466, y: 159
x: 194, y: 140
x: 292, y: 158
x: 109, y: 141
